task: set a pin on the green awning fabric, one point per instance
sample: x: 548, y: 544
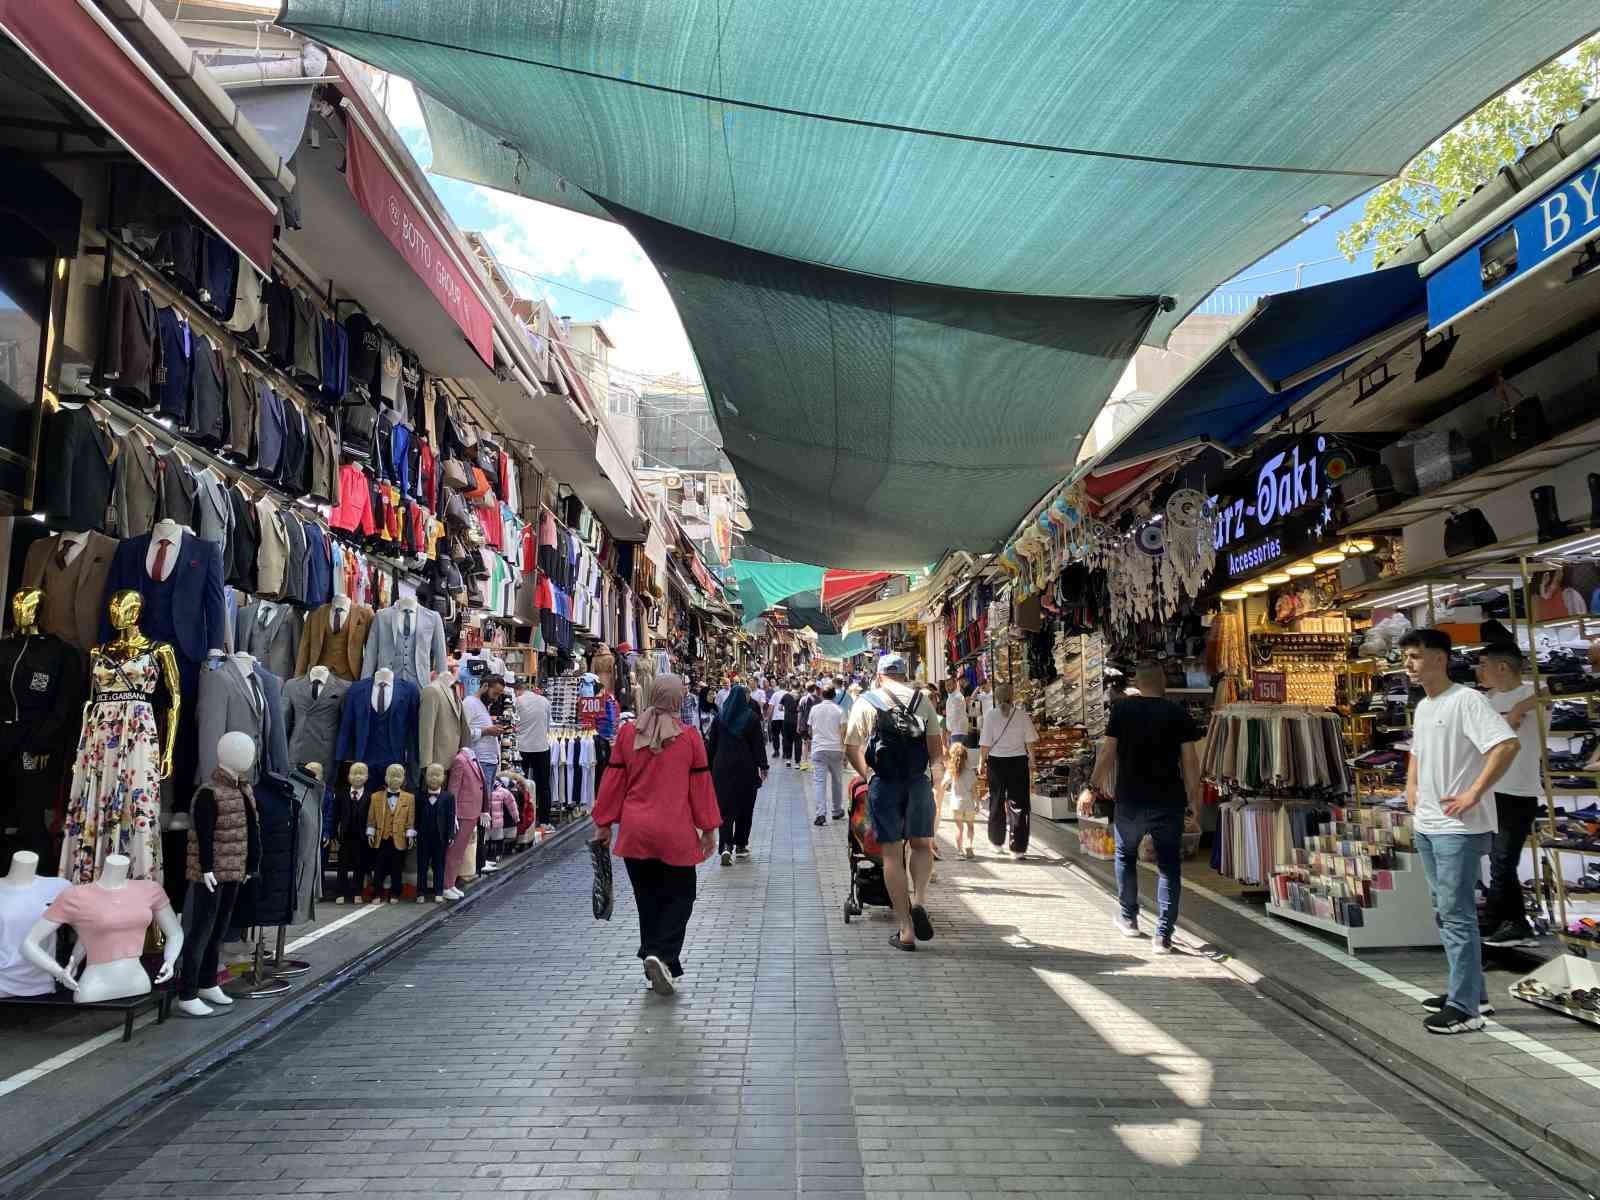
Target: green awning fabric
x: 872, y: 213
x: 764, y: 585
x: 844, y: 646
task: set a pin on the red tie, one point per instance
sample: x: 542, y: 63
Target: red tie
x: 161, y: 559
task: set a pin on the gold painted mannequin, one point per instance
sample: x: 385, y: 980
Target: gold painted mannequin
x: 126, y: 609
x: 25, y: 607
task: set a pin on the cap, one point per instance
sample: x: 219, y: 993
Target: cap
x: 892, y: 664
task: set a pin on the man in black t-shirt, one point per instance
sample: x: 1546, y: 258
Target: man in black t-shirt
x: 1150, y: 745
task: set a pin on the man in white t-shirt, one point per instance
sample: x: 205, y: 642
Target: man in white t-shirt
x: 774, y: 713
x: 1460, y: 747
x: 1516, y: 796
x: 957, y: 720
x: 826, y: 722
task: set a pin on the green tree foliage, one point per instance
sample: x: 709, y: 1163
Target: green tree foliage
x: 1466, y: 157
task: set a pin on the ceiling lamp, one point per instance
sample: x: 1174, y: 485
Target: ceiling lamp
x: 1301, y: 568
x: 1235, y: 594
x: 1328, y: 558
x: 1255, y: 589
x: 1364, y: 545
x: 1276, y: 578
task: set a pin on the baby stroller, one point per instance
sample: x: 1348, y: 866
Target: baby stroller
x: 866, y: 859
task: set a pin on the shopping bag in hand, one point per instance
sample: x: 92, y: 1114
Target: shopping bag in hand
x: 602, y: 880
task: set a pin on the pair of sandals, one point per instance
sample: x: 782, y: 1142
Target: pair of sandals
x: 920, y: 924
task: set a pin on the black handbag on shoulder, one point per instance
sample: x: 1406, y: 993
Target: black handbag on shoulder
x: 1467, y: 530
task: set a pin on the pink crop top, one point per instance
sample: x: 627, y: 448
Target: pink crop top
x: 110, y: 921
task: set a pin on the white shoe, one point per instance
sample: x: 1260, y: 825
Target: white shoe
x: 194, y: 1008
x: 215, y: 995
x: 660, y: 978
x: 727, y: 858
x: 453, y: 894
x: 438, y: 899
x: 339, y: 900
x: 1163, y: 946
x: 1128, y: 928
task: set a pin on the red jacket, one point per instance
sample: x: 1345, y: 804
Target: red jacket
x: 661, y: 800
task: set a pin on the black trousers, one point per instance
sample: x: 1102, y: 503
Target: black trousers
x: 777, y: 735
x: 536, y: 766
x: 430, y: 856
x: 389, y: 870
x: 664, y: 895
x: 738, y: 812
x: 205, y: 920
x: 1010, y: 802
x: 1504, y: 902
x: 354, y: 863
x: 791, y: 742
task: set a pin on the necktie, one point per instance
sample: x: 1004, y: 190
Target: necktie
x: 61, y: 553
x: 338, y: 619
x: 383, y: 697
x: 408, y: 622
x: 316, y: 688
x: 255, y: 690
x: 161, y: 559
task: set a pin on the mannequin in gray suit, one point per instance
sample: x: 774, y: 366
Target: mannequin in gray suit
x: 271, y: 632
x: 238, y: 695
x: 311, y: 710
x: 408, y: 639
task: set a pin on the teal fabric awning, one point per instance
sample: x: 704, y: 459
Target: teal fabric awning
x: 914, y: 242
x: 764, y: 585
x: 842, y: 646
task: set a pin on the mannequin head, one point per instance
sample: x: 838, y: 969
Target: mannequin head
x: 115, y: 871
x: 24, y: 866
x: 394, y: 778
x: 25, y: 609
x: 236, y: 753
x: 359, y: 775
x: 313, y: 769
x: 435, y: 777
x: 126, y: 607
x: 319, y: 674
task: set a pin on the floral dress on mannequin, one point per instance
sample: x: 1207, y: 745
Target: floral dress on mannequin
x: 115, y: 803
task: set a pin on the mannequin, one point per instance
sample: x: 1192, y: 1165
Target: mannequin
x: 349, y: 836
x: 382, y: 689
x: 25, y: 895
x: 224, y: 850
x: 378, y: 722
x: 335, y: 637
x: 312, y: 705
x: 408, y: 639
x: 320, y: 675
x: 466, y: 785
x: 38, y: 716
x: 436, y: 829
x: 110, y: 916
x: 391, y: 831
x: 119, y: 762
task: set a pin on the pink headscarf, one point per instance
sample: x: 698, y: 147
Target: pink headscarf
x: 659, y: 722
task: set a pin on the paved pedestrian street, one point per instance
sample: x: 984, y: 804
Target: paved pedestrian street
x: 1028, y: 1050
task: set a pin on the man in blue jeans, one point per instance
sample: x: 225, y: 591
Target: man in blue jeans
x: 1150, y: 743
x: 1460, y: 747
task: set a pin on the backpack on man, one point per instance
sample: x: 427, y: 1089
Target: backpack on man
x: 898, y: 748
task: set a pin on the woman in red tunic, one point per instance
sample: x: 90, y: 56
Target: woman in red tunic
x: 657, y: 791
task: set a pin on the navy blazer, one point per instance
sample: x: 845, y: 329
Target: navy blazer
x: 439, y: 823
x: 271, y: 431
x: 199, y: 608
x: 380, y: 740
x: 319, y: 567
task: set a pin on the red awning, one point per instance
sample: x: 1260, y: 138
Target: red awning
x: 78, y: 48
x: 384, y: 200
x: 843, y: 590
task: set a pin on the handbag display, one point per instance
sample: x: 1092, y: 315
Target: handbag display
x: 1365, y: 492
x: 1467, y: 530
x: 1439, y: 456
x: 1520, y: 426
x: 454, y: 475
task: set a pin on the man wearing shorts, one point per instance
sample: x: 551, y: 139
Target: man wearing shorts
x: 900, y: 798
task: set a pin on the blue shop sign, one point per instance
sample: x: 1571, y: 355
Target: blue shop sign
x: 1562, y: 219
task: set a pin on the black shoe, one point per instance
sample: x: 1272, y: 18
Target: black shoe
x: 1451, y: 1019
x: 921, y: 924
x: 820, y: 821
x: 1439, y: 1003
x: 838, y: 816
x: 1511, y: 935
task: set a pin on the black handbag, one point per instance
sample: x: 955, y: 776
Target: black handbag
x: 1520, y: 426
x: 1366, y: 491
x: 1467, y: 530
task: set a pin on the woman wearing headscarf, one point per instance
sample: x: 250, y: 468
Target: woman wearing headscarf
x: 657, y: 792
x: 1006, y: 745
x: 738, y: 769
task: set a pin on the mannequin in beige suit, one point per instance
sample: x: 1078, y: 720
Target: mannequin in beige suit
x: 71, y: 570
x: 441, y: 722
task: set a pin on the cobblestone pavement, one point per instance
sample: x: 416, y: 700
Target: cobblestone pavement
x: 1027, y: 1051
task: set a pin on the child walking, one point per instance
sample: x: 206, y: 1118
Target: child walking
x: 961, y: 791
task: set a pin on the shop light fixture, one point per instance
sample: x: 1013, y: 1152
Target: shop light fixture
x: 1276, y: 578
x: 1255, y: 589
x: 1235, y: 594
x: 1328, y: 558
x: 1301, y: 569
x: 1359, y: 546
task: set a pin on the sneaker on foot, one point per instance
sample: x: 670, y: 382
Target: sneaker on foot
x: 1451, y: 1019
x: 971, y: 853
x: 1164, y: 946
x: 820, y: 821
x: 743, y: 852
x: 838, y: 816
x: 1439, y: 1003
x: 1511, y: 935
x: 660, y: 978
x: 1127, y: 927
x: 727, y: 858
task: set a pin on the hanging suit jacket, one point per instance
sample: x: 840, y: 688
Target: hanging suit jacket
x: 199, y: 609
x: 441, y: 724
x: 318, y: 629
x: 130, y: 352
x: 213, y: 510
x: 227, y: 704
x: 436, y: 822
x: 242, y: 412
x: 176, y: 490
x: 390, y: 826
x: 270, y: 431
x: 208, y: 394
x: 386, y: 644
x: 276, y: 643
x: 294, y: 570
x: 76, y: 487
x: 74, y: 594
x: 380, y: 739
x: 319, y: 566
x: 272, y: 556
x: 136, y: 496
x: 313, y: 720
x: 243, y: 544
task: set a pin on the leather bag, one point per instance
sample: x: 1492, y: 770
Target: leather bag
x: 1520, y: 426
x: 454, y: 474
x: 1467, y: 530
x: 1439, y: 456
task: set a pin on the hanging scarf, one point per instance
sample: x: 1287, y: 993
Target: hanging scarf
x: 736, y: 713
x: 659, y: 723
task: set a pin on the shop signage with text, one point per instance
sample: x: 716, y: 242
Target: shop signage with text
x: 1286, y: 482
x: 1269, y: 687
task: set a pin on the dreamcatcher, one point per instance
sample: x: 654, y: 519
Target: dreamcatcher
x: 1191, y: 551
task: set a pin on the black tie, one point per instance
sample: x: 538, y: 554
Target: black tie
x: 255, y: 690
x: 383, y: 697
x: 338, y: 620
x: 408, y: 622
x: 316, y: 688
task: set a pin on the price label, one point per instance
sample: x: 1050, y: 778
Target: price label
x: 589, y: 710
x: 1269, y: 687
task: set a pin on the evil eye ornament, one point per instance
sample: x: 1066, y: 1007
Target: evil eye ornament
x: 1152, y: 539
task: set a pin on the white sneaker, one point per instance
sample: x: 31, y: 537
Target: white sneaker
x: 660, y: 978
x: 215, y: 995
x: 453, y: 894
x: 1163, y: 946
x: 194, y: 1008
x: 727, y: 858
x: 1128, y: 928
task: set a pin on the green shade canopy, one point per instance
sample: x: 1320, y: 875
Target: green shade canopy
x: 873, y: 214
x: 841, y: 646
x: 764, y: 585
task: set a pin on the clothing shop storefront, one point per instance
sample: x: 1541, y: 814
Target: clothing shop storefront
x: 268, y: 528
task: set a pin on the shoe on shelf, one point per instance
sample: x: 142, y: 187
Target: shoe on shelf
x: 1128, y: 928
x: 1451, y: 1019
x: 1439, y: 1003
x: 727, y: 858
x: 1511, y: 935
x: 820, y: 821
